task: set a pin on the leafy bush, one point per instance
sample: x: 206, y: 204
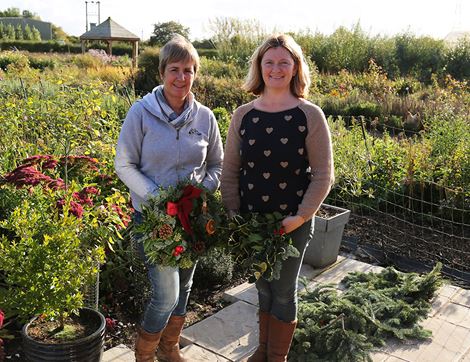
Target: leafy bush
x: 46, y: 240
x: 223, y: 119
x: 147, y: 76
x: 458, y: 60
x: 216, y: 268
x: 220, y: 92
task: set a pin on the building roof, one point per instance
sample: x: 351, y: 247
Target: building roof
x: 108, y: 30
x: 44, y: 27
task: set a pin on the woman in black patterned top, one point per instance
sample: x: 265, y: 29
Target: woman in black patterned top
x: 278, y: 157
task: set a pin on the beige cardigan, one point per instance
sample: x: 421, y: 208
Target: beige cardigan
x: 319, y: 154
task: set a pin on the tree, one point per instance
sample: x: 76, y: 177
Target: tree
x: 58, y: 33
x: 28, y: 34
x: 163, y: 32
x: 18, y: 32
x: 30, y: 15
x: 36, y: 34
x: 10, y: 12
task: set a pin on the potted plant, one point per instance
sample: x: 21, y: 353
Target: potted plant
x: 52, y: 242
x: 323, y: 249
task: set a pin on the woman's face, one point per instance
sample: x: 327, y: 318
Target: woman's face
x: 178, y: 79
x: 277, y: 68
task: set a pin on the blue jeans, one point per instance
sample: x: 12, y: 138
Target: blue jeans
x: 170, y: 290
x: 279, y: 297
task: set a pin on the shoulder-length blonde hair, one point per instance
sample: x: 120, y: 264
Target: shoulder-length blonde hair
x: 300, y: 82
x: 176, y: 50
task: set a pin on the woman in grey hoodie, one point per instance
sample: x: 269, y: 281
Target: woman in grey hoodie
x: 166, y: 137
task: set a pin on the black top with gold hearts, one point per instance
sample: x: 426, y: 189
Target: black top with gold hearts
x: 274, y: 172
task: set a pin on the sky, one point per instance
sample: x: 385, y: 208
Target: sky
x: 434, y: 18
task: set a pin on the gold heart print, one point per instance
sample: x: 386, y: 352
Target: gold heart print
x: 269, y: 130
x: 255, y: 119
x: 301, y: 128
x: 250, y: 207
x: 267, y: 153
x: 251, y: 142
x: 265, y: 198
x: 251, y: 164
x: 266, y: 175
x: 300, y: 192
x: 283, y: 185
x: 301, y: 151
x: 284, y: 164
x: 283, y: 206
x: 242, y: 132
x: 288, y: 117
x: 284, y: 140
x: 250, y: 186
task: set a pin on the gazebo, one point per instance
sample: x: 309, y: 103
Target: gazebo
x: 110, y: 31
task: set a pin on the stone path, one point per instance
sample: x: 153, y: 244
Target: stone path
x: 232, y: 333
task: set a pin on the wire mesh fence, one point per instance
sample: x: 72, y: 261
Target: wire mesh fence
x: 416, y: 223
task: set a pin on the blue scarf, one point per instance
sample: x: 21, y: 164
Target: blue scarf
x: 169, y: 114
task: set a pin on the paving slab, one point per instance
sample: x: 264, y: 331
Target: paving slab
x: 462, y: 297
x: 196, y: 353
x: 456, y: 314
x: 244, y: 292
x: 338, y: 271
x: 247, y: 291
x: 120, y: 353
x: 384, y: 357
x: 448, y: 343
x: 232, y: 332
x: 443, y: 297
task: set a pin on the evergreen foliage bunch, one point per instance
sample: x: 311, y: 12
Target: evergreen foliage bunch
x: 259, y: 243
x: 373, y: 308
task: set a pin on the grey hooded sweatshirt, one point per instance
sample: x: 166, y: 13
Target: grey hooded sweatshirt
x: 152, y: 153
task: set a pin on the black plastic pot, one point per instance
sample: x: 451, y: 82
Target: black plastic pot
x: 87, y: 349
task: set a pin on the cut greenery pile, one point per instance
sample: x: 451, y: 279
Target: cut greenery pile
x: 374, y: 307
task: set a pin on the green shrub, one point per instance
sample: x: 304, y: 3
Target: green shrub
x: 366, y: 109
x: 148, y: 76
x: 219, y: 68
x: 16, y: 59
x: 458, y: 60
x: 45, y: 263
x: 223, y: 119
x: 220, y: 92
x: 214, y: 269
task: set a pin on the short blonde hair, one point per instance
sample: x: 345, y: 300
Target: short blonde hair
x: 176, y: 50
x: 300, y: 82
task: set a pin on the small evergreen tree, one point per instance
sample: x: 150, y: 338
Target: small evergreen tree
x: 27, y: 35
x: 18, y: 32
x: 10, y: 32
x: 36, y: 34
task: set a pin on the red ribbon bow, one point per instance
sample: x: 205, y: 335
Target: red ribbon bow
x: 183, y: 207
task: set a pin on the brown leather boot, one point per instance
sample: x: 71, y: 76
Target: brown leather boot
x: 279, y: 339
x: 145, y: 345
x: 169, y: 349
x: 260, y: 354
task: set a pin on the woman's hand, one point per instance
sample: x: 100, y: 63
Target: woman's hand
x: 290, y: 223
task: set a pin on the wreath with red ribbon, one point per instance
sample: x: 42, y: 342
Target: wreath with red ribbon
x: 179, y: 225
